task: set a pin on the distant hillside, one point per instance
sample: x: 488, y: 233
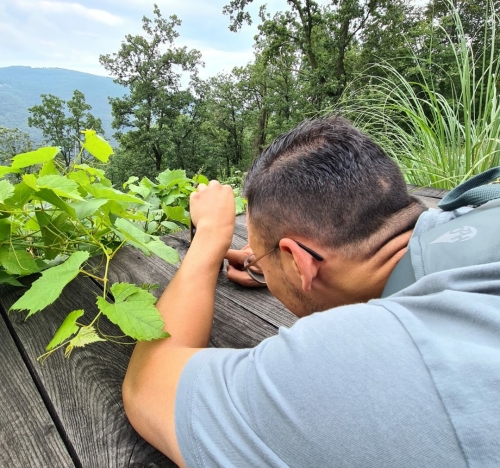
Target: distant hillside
x: 20, y: 88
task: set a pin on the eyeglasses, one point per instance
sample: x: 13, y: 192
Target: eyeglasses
x: 252, y: 262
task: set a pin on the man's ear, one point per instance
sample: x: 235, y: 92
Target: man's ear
x: 302, y: 262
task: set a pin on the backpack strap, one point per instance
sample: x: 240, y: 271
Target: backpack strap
x: 435, y: 250
x: 401, y: 277
x: 471, y: 191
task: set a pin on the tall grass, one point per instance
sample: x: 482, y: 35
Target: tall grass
x: 437, y: 142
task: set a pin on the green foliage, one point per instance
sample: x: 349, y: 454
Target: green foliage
x: 67, y: 329
x: 12, y: 142
x: 45, y: 290
x: 438, y: 140
x: 134, y: 312
x: 165, y: 202
x: 55, y: 219
x: 62, y: 122
x: 154, y: 111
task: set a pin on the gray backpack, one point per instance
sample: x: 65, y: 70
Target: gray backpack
x: 470, y: 239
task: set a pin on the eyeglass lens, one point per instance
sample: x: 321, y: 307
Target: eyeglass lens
x: 250, y: 263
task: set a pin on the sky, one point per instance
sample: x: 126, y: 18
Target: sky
x: 72, y: 34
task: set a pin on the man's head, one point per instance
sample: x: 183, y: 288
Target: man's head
x: 327, y: 182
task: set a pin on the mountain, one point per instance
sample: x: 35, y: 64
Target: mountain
x: 21, y: 87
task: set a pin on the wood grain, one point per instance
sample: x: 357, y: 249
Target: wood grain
x: 84, y: 391
x: 28, y: 436
x: 428, y: 192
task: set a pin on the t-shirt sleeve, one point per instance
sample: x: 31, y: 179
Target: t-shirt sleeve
x: 339, y: 388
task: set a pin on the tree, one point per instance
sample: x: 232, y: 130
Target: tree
x: 297, y: 25
x: 228, y: 106
x: 324, y: 34
x: 148, y: 66
x: 61, y: 122
x: 13, y: 142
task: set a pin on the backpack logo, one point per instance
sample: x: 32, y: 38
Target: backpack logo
x: 461, y: 234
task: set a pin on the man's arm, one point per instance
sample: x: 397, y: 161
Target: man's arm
x: 187, y: 307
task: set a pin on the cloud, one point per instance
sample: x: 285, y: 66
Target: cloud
x: 72, y: 34
x: 68, y: 8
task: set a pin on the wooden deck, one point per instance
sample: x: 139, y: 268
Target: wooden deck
x: 69, y: 413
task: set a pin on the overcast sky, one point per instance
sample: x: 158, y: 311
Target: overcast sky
x: 72, y: 34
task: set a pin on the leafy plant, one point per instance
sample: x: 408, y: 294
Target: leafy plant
x: 438, y: 141
x: 54, y: 220
x: 166, y: 202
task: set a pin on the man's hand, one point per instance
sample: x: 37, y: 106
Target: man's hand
x: 212, y: 212
x: 235, y: 270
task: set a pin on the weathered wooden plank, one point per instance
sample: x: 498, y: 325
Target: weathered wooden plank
x: 84, y: 391
x: 429, y: 192
x: 28, y: 435
x: 430, y: 202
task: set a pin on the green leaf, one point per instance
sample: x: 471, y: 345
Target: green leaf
x: 240, y: 205
x: 141, y: 190
x: 172, y: 197
x: 171, y: 227
x: 67, y: 329
x: 51, y: 233
x: 153, y: 204
x: 29, y: 225
x: 5, y: 227
x: 100, y: 191
x: 132, y: 232
x: 53, y: 199
x: 152, y: 227
x: 163, y: 251
x: 97, y: 146
x: 17, y: 262
x: 4, y: 170
x: 6, y: 190
x: 86, y: 335
x: 80, y: 177
x: 168, y: 177
x: 147, y: 183
x: 22, y: 194
x: 45, y: 290
x: 30, y: 181
x: 5, y: 278
x: 134, y: 312
x: 60, y: 185
x: 92, y: 171
x: 49, y: 168
x: 86, y: 208
x: 114, y: 208
x: 39, y: 156
x: 200, y: 179
x: 177, y: 213
x: 130, y: 180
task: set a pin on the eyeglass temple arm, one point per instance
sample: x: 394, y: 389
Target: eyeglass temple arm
x: 311, y: 252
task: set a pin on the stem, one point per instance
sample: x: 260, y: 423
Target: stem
x: 84, y: 272
x: 105, y: 284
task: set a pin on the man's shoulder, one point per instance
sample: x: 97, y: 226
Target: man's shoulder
x: 335, y: 381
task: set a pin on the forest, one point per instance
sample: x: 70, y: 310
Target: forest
x: 421, y: 79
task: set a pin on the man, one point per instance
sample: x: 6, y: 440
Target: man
x: 411, y: 380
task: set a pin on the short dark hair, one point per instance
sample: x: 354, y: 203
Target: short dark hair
x: 328, y: 180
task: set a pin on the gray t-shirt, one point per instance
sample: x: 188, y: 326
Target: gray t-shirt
x: 410, y: 381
